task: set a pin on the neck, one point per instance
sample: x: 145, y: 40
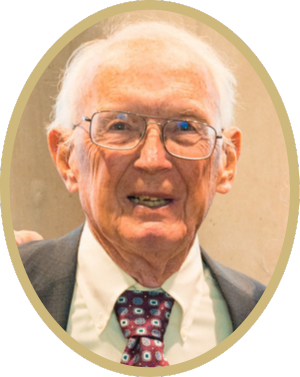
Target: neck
x: 148, y: 273
x: 152, y: 268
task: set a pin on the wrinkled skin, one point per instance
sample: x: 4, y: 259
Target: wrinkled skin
x: 150, y: 244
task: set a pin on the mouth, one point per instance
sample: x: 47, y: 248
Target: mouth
x: 150, y: 201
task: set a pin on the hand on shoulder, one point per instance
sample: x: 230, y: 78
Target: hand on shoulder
x: 23, y: 236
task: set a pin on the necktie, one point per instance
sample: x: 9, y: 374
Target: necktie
x: 144, y: 317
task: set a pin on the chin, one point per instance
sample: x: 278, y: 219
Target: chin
x: 155, y: 234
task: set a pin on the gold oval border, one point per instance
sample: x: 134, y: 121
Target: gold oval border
x: 293, y: 170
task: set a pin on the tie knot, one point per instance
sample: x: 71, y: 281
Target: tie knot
x: 144, y: 313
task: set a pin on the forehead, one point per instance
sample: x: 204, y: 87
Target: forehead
x: 151, y: 71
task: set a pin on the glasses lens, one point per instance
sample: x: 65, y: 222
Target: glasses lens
x: 189, y: 139
x: 116, y: 130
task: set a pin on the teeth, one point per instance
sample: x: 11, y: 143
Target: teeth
x: 148, y: 198
x: 149, y: 201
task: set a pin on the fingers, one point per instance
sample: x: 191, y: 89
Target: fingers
x: 23, y: 236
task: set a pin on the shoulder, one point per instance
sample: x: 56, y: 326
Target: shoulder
x: 240, y: 291
x: 230, y: 277
x: 51, y: 268
x: 50, y: 259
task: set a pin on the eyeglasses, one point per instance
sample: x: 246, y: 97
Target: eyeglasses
x: 124, y: 130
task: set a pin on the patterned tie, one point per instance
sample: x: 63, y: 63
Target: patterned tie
x: 144, y: 317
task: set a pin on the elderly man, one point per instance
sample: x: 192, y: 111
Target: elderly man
x: 141, y: 132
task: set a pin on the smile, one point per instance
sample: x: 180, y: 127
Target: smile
x: 149, y: 201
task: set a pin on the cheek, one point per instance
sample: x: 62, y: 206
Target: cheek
x: 89, y: 157
x: 87, y: 161
x: 202, y: 185
x: 99, y: 174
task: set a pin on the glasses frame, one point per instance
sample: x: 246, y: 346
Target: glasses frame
x: 162, y: 125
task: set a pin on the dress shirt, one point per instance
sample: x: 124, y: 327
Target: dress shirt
x: 199, y: 319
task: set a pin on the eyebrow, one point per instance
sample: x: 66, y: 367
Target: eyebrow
x: 192, y: 114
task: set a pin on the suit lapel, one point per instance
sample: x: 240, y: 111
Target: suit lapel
x: 52, y: 272
x: 240, y: 292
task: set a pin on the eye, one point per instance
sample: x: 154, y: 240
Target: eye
x: 185, y: 126
x: 118, y: 126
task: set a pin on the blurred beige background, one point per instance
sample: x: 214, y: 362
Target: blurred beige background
x: 243, y: 230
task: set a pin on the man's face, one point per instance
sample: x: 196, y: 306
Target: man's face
x: 108, y: 179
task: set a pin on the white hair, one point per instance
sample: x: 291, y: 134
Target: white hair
x: 82, y: 67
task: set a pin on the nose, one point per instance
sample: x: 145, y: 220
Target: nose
x: 153, y: 157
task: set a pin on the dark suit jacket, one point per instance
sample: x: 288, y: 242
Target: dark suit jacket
x: 51, y: 268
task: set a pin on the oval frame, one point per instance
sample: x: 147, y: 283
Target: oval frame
x: 294, y: 185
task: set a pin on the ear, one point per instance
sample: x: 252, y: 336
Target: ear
x: 61, y: 151
x: 230, y: 154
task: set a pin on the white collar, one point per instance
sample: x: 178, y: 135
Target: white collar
x: 101, y: 281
